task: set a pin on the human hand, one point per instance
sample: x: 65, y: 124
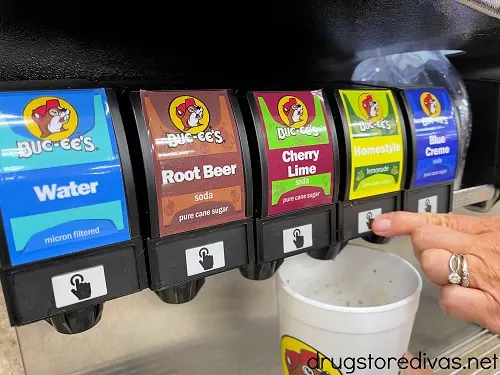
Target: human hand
x: 435, y: 238
x: 411, y: 371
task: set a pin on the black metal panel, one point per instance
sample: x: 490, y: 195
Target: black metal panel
x: 231, y: 44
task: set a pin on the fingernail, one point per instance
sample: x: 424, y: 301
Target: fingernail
x: 382, y: 224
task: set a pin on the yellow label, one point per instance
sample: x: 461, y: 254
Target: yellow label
x: 298, y: 358
x: 376, y: 139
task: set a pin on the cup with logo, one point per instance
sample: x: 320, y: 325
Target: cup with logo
x: 349, y: 315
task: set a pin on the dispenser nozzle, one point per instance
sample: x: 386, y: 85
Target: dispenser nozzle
x: 77, y: 321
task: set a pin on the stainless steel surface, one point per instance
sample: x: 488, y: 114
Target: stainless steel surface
x: 230, y: 328
x: 471, y: 352
x: 473, y: 195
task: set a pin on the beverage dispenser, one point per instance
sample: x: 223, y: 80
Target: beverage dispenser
x: 198, y: 185
x: 295, y: 164
x: 483, y: 159
x: 433, y: 149
x: 373, y: 142
x: 69, y: 230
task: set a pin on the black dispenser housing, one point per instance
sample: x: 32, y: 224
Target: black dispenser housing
x: 483, y: 157
x: 175, y: 257
x: 357, y: 214
x: 432, y: 196
x: 281, y: 231
x: 68, y: 290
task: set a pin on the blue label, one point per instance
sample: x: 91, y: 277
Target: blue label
x: 61, y: 183
x: 436, y: 136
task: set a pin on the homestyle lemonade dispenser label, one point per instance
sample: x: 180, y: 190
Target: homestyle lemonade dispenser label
x: 376, y: 142
x: 61, y: 183
x: 197, y: 159
x: 300, y: 159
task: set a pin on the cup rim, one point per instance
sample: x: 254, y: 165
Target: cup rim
x: 353, y: 309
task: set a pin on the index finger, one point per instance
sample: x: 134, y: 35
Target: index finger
x: 404, y: 223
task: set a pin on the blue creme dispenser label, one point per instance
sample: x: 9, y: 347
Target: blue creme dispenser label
x: 61, y: 183
x: 436, y: 136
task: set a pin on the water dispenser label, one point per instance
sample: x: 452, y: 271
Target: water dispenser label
x: 376, y: 142
x: 61, y: 183
x: 299, y: 149
x: 436, y: 136
x: 197, y: 159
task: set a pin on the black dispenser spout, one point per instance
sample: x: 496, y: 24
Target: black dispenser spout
x: 77, y: 321
x: 181, y: 293
x: 330, y: 252
x: 261, y: 271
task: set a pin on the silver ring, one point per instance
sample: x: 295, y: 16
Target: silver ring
x: 465, y: 272
x: 454, y: 277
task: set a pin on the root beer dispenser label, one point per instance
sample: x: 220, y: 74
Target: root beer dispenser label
x: 197, y: 159
x: 299, y: 149
x: 376, y: 142
x: 436, y: 136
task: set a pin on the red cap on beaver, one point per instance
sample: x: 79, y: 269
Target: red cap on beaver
x: 42, y: 110
x: 367, y: 101
x: 294, y: 359
x: 427, y: 100
x: 181, y: 108
x: 288, y: 104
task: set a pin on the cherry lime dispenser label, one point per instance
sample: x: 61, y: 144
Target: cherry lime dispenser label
x: 197, y: 158
x: 436, y: 136
x: 376, y: 142
x: 299, y: 149
x: 61, y: 183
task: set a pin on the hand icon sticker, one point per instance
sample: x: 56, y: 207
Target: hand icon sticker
x: 369, y: 220
x: 207, y: 260
x: 299, y: 239
x: 82, y: 290
x: 428, y: 207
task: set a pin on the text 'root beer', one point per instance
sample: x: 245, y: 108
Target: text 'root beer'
x: 376, y: 142
x: 197, y: 159
x: 300, y: 159
x: 63, y: 188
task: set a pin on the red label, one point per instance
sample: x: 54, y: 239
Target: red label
x: 299, y: 149
x: 197, y: 159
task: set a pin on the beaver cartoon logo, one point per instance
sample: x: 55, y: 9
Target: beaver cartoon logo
x: 53, y: 121
x: 370, y: 107
x: 292, y: 111
x: 299, y: 358
x: 189, y: 114
x: 430, y: 104
x: 50, y: 118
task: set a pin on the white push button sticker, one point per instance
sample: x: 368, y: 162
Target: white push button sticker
x: 78, y: 286
x: 205, y: 258
x: 365, y: 220
x: 428, y: 204
x: 297, y: 238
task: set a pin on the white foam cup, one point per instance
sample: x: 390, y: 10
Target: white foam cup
x: 352, y: 315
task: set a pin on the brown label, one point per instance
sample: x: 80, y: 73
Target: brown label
x: 197, y: 159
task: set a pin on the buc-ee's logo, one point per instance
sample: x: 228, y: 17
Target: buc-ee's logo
x: 52, y: 121
x: 370, y: 107
x: 298, y: 358
x: 192, y: 117
x: 294, y: 114
x: 430, y: 104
